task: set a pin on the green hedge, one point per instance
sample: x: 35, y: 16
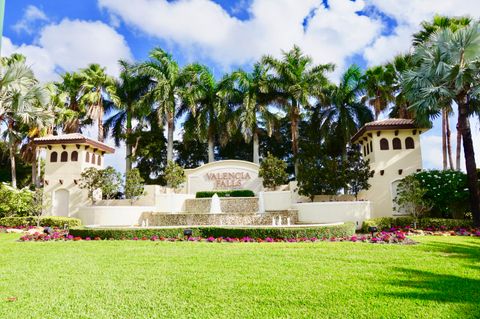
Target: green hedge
x: 233, y: 193
x: 389, y: 222
x: 346, y: 229
x: 52, y: 221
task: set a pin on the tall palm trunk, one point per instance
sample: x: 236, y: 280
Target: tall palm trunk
x: 294, y: 128
x: 100, y: 121
x: 170, y: 129
x: 444, y: 139
x: 128, y: 145
x: 11, y: 146
x: 469, y: 153
x: 211, y: 147
x: 459, y: 146
x: 449, y: 142
x: 34, y: 167
x: 256, y: 155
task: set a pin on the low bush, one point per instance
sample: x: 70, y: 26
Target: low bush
x: 388, y: 222
x: 347, y: 229
x: 233, y: 193
x: 52, y: 221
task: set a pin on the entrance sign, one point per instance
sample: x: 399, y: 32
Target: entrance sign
x: 224, y: 175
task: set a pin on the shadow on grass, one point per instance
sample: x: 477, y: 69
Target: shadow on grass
x: 445, y: 288
x: 465, y: 252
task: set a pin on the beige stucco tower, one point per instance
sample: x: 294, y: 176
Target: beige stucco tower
x: 67, y: 156
x: 393, y: 148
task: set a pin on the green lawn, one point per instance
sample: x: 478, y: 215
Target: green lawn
x: 440, y: 278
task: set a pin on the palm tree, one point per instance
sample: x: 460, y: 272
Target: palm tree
x: 342, y: 112
x: 447, y: 69
x: 21, y: 103
x: 70, y: 90
x: 164, y: 90
x: 295, y: 81
x: 129, y: 90
x: 95, y: 84
x: 253, y: 96
x: 60, y: 114
x: 378, y: 88
x: 429, y: 28
x: 205, y: 108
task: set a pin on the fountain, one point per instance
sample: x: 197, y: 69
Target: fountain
x: 215, y: 205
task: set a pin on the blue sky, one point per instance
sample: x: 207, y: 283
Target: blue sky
x: 64, y: 35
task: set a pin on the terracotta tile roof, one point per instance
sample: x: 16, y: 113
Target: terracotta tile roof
x: 73, y: 138
x: 387, y: 124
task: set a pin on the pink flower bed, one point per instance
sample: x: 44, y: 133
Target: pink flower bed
x: 392, y: 236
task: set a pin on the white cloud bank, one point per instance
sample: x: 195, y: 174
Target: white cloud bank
x: 408, y: 15
x: 205, y: 28
x: 72, y: 44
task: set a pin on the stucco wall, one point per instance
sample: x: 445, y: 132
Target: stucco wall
x: 113, y: 215
x: 395, y: 164
x: 333, y: 212
x: 65, y: 176
x: 277, y: 200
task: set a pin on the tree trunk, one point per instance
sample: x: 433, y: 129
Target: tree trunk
x: 100, y: 122
x: 449, y: 142
x: 34, y: 167
x: 256, y: 155
x: 211, y: 147
x: 469, y: 153
x: 170, y: 129
x: 444, y: 140
x: 128, y: 145
x: 294, y: 128
x: 12, y: 164
x: 459, y: 146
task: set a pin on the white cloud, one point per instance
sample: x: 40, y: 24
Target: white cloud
x: 27, y: 23
x: 205, y: 28
x: 72, y: 44
x: 408, y: 15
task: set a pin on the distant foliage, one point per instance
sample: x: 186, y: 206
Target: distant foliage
x: 111, y: 182
x: 273, y: 171
x: 411, y: 198
x: 108, y: 180
x: 174, y: 175
x: 134, y: 185
x: 91, y: 180
x: 15, y: 202
x: 327, y: 175
x: 357, y: 173
x: 446, y: 190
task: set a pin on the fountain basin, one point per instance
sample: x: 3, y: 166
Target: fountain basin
x: 231, y: 219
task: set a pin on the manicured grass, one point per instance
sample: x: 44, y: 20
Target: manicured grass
x: 440, y: 278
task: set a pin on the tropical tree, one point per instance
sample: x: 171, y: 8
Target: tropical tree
x: 129, y: 89
x: 22, y: 102
x: 448, y: 68
x: 95, y: 85
x: 295, y: 81
x: 253, y: 95
x: 206, y: 110
x: 341, y: 111
x: 428, y: 28
x: 378, y: 88
x: 164, y: 90
x: 69, y: 91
